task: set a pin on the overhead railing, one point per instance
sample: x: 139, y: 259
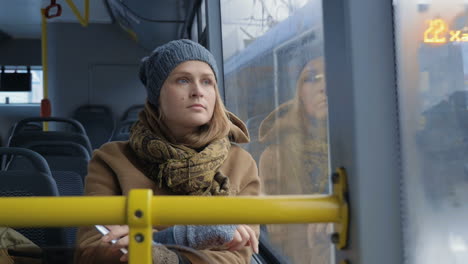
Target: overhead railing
x: 83, y: 20
x: 141, y: 211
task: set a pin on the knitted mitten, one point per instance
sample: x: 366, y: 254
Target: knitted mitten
x: 196, y: 236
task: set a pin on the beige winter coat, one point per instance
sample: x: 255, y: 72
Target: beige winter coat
x: 10, y: 239
x: 114, y: 170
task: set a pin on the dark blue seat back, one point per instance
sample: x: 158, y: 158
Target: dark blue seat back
x: 21, y: 137
x: 98, y: 122
x: 60, y: 155
x: 69, y: 184
x: 37, y: 182
x: 122, y: 132
x: 132, y: 113
x: 68, y: 162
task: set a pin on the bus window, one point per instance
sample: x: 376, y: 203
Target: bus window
x: 432, y: 68
x: 274, y: 79
x: 24, y: 97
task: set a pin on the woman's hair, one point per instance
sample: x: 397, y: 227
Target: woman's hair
x: 299, y: 86
x: 217, y: 128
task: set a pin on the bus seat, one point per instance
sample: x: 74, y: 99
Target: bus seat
x: 98, y: 122
x: 58, y: 148
x: 131, y: 114
x: 122, y: 132
x: 20, y: 137
x: 32, y: 126
x: 67, y: 161
x: 37, y: 182
x: 62, y: 155
x: 69, y: 183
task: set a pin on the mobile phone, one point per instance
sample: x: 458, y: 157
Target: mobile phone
x: 104, y: 231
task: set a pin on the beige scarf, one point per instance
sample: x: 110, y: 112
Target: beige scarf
x: 179, y: 168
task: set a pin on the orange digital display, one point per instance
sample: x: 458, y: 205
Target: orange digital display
x: 439, y: 33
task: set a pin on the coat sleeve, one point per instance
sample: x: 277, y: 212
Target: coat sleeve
x: 100, y: 181
x: 269, y: 170
x: 248, y: 185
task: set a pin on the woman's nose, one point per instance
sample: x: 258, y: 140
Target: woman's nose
x: 323, y: 90
x: 196, y: 90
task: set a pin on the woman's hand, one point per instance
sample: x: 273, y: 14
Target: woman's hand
x: 244, y: 236
x: 119, y: 233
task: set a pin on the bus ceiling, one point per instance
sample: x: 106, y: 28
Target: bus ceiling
x: 148, y: 22
x: 22, y: 19
x: 153, y: 23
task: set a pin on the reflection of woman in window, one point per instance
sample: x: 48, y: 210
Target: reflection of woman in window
x: 296, y: 160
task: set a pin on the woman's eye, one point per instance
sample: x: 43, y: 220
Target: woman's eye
x: 314, y: 78
x: 182, y: 81
x: 207, y: 82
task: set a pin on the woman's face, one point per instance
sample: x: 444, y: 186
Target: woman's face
x: 188, y: 96
x: 312, y: 92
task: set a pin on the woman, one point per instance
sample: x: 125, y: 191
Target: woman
x: 296, y: 160
x: 182, y: 144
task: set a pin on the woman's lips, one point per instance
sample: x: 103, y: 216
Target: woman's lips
x: 197, y: 106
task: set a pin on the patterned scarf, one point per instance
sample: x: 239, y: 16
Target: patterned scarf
x: 179, y: 168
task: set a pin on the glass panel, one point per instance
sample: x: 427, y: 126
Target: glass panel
x: 274, y: 78
x: 432, y: 64
x: 203, y: 15
x: 194, y: 29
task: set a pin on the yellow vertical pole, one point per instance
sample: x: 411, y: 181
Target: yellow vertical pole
x: 45, y: 75
x: 86, y: 19
x: 140, y: 223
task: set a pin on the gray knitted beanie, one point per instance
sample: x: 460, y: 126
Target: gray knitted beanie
x: 155, y: 68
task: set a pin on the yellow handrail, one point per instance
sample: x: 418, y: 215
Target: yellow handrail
x: 62, y: 211
x: 141, y: 211
x: 168, y: 210
x: 83, y: 21
x: 82, y: 211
